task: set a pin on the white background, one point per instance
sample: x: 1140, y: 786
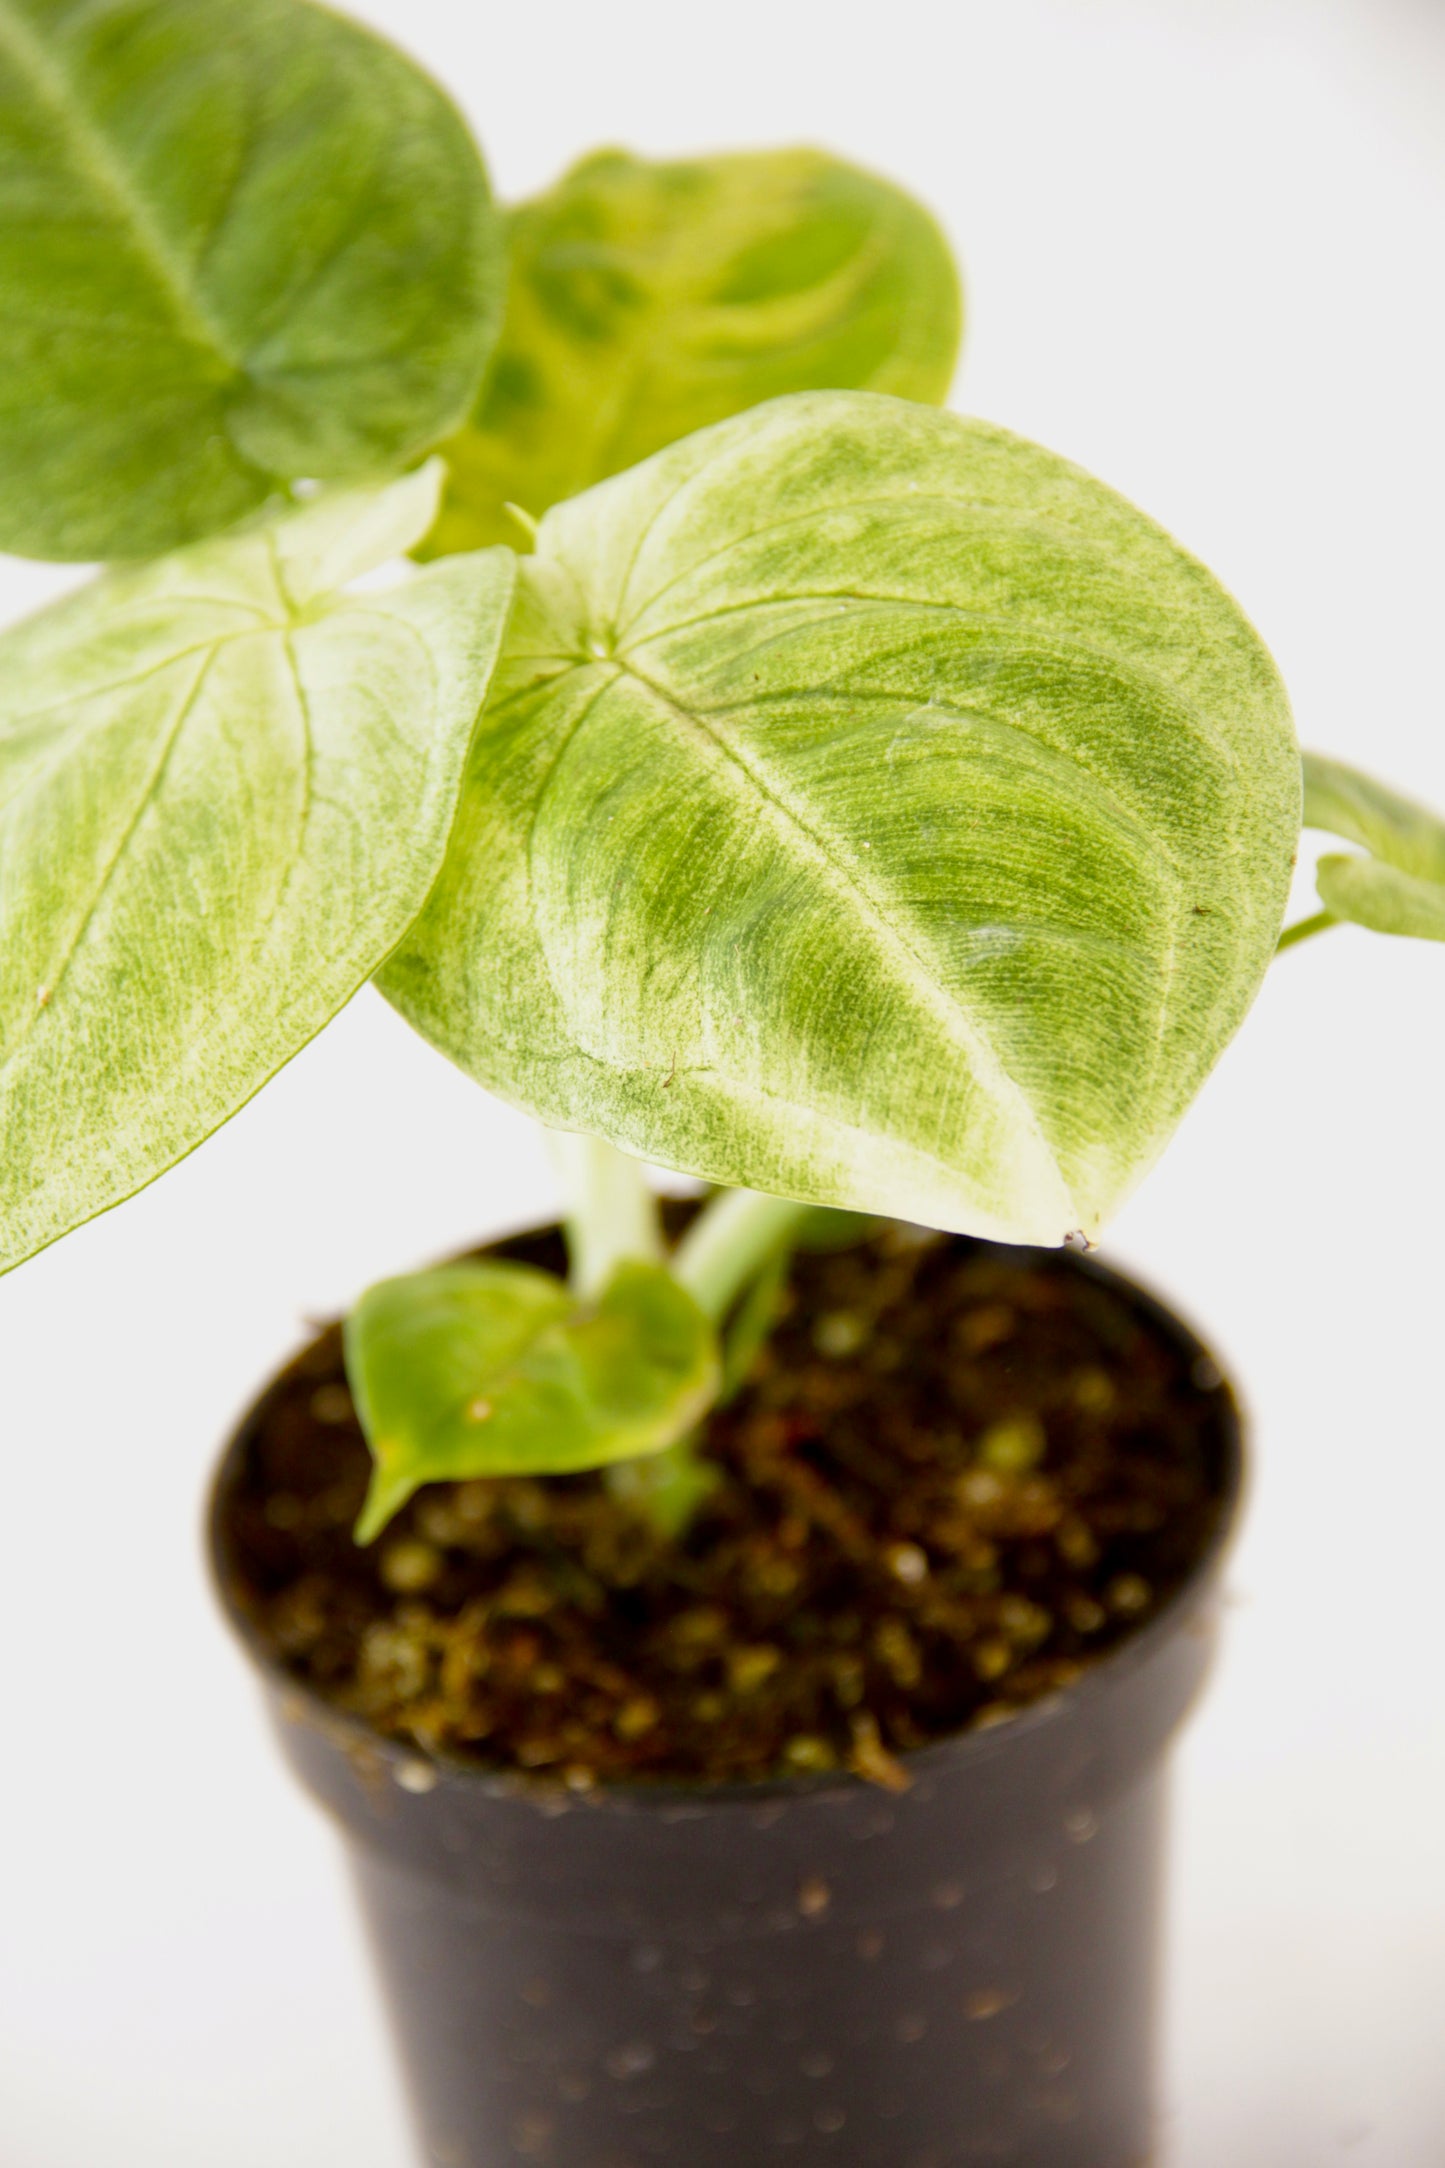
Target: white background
x: 1203, y: 245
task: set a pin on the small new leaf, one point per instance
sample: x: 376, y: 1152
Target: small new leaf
x: 1400, y: 886
x: 225, y: 788
x: 243, y: 242
x: 645, y: 301
x: 496, y: 1369
x: 870, y: 809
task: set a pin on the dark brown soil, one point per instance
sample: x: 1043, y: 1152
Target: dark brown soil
x: 956, y: 1476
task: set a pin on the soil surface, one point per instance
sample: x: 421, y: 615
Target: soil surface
x: 956, y: 1475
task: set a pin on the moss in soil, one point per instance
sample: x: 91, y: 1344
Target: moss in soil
x: 956, y: 1476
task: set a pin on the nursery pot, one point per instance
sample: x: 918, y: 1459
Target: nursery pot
x: 807, y: 1970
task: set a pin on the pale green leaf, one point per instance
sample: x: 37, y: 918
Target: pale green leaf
x: 496, y: 1369
x: 1381, y: 897
x: 1400, y: 887
x: 1345, y: 802
x: 224, y: 792
x: 647, y: 300
x: 872, y: 809
x: 240, y: 241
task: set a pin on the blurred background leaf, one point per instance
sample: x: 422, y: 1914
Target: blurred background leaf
x: 646, y: 300
x: 242, y: 242
x: 1400, y: 886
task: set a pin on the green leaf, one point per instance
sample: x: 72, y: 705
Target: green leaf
x: 1381, y: 897
x: 225, y: 789
x: 496, y: 1369
x: 1400, y: 887
x: 241, y: 242
x: 647, y: 300
x: 870, y: 809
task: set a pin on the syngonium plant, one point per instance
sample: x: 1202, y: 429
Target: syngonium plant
x: 763, y: 773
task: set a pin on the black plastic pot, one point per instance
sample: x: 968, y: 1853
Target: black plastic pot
x: 808, y: 1971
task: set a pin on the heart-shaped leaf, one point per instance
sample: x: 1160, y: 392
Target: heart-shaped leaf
x: 496, y: 1369
x: 224, y: 792
x: 1400, y: 886
x: 872, y: 809
x: 648, y: 300
x: 240, y: 241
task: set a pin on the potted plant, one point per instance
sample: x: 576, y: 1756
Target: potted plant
x: 743, y: 1641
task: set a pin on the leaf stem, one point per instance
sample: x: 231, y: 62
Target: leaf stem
x: 1303, y: 928
x: 611, y: 1212
x: 732, y: 1238
x: 666, y: 1488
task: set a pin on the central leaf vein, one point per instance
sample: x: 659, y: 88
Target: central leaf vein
x: 97, y: 159
x: 983, y: 1058
x: 148, y: 795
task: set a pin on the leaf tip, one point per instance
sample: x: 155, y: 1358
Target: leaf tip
x: 386, y: 1494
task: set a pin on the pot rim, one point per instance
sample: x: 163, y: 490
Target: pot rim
x: 975, y: 1746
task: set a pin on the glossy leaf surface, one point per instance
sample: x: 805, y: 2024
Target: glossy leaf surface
x: 225, y: 789
x: 872, y: 809
x: 1400, y: 887
x: 648, y: 300
x: 241, y: 242
x: 496, y: 1369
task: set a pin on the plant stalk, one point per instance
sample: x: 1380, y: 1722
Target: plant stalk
x: 736, y: 1236
x: 611, y: 1215
x: 611, y: 1211
x: 1303, y: 928
x: 731, y: 1239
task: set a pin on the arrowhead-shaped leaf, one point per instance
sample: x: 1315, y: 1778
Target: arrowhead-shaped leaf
x: 870, y: 808
x: 647, y: 300
x: 225, y: 789
x: 240, y: 241
x: 496, y: 1369
x: 1400, y: 886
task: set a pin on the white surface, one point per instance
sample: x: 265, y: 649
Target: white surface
x: 1203, y: 246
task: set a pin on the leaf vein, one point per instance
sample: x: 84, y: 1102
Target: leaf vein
x: 984, y: 1059
x: 147, y: 798
x: 110, y: 177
